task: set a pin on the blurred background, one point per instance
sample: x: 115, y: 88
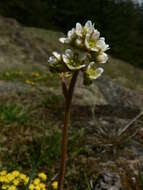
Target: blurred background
x: 120, y: 21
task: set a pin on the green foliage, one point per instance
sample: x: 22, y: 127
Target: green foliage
x: 52, y: 100
x: 52, y: 150
x: 10, y: 113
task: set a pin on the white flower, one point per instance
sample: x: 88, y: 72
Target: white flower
x: 55, y: 62
x: 91, y: 40
x: 88, y: 50
x: 70, y: 37
x: 83, y: 30
x: 102, y: 58
x: 74, y: 61
x: 101, y: 45
x: 52, y: 60
x: 57, y: 56
x: 94, y: 73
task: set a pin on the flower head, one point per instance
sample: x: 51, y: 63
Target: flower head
x: 55, y: 185
x: 93, y: 72
x: 71, y: 35
x: 3, y: 173
x: 42, y: 176
x: 16, y: 173
x: 55, y: 62
x: 73, y: 61
x: 88, y: 51
x: 101, y: 45
x: 102, y: 58
x: 91, y: 40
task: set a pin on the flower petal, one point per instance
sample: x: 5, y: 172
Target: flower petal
x: 97, y: 73
x: 92, y: 72
x: 71, y: 34
x: 52, y: 60
x: 65, y: 59
x: 95, y: 34
x: 102, y: 58
x: 75, y: 67
x: 101, y: 45
x: 57, y: 55
x: 64, y: 40
x: 89, y: 26
x: 78, y: 29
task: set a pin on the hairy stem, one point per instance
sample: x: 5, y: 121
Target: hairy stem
x: 68, y: 103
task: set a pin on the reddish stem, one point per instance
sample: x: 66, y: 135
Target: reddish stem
x: 64, y: 86
x: 68, y: 102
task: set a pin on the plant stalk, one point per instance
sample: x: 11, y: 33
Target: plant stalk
x: 68, y: 101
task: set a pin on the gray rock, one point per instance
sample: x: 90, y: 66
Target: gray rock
x: 108, y: 181
x: 117, y: 95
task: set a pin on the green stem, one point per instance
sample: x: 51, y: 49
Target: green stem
x: 65, y: 129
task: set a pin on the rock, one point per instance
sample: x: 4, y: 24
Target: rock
x: 108, y: 95
x: 20, y: 49
x: 117, y: 95
x: 108, y: 181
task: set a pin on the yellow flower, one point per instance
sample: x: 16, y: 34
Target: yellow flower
x: 36, y: 181
x: 4, y: 186
x: 16, y: 182
x: 55, y: 185
x: 30, y: 82
x: 27, y: 82
x: 3, y: 172
x: 26, y: 180
x: 12, y: 187
x: 23, y: 177
x: 36, y: 74
x: 42, y: 176
x: 3, y: 179
x: 31, y: 187
x: 15, y: 173
x: 37, y: 187
x: 42, y: 186
x: 10, y: 177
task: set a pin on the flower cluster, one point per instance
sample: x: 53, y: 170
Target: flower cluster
x: 15, y: 180
x: 86, y: 54
x: 37, y: 183
x: 11, y: 180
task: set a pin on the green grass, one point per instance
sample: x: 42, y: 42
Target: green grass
x: 34, y: 77
x: 52, y: 100
x: 13, y: 113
